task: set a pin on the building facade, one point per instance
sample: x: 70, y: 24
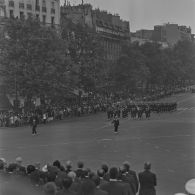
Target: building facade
x: 112, y: 30
x: 47, y: 11
x: 171, y: 33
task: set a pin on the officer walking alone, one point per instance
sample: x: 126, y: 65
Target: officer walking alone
x: 116, y: 124
x: 34, y: 123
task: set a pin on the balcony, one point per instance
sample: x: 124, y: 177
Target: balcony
x: 11, y: 3
x: 21, y: 5
x: 53, y: 11
x: 37, y: 8
x: 44, y: 9
x: 29, y: 7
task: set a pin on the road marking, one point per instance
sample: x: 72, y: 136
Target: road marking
x: 105, y: 140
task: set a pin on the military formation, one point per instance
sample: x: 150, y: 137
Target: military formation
x: 139, y: 110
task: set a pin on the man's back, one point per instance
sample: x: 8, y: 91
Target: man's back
x: 115, y: 188
x: 65, y: 192
x: 147, y: 180
x: 98, y: 191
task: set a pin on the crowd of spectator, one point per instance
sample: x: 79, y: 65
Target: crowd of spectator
x: 57, y: 179
x: 47, y: 113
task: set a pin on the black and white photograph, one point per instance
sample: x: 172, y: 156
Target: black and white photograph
x: 97, y: 97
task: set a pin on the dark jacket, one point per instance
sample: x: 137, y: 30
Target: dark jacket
x: 133, y: 173
x: 98, y: 191
x: 116, y: 188
x: 148, y: 182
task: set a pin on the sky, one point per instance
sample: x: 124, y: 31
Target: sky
x: 144, y: 14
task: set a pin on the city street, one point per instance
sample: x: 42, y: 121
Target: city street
x: 166, y: 140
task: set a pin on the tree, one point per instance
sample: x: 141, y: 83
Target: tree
x: 85, y: 50
x: 33, y: 60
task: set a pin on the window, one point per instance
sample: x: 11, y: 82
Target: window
x: 11, y: 3
x: 11, y: 13
x: 21, y: 5
x: 29, y: 7
x: 44, y: 3
x: 22, y: 15
x: 44, y: 19
x: 52, y: 20
x: 44, y: 9
x: 37, y: 8
x: 52, y: 11
x: 52, y: 4
x: 37, y: 2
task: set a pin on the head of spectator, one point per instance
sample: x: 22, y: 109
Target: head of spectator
x: 114, y: 173
x: 37, y: 165
x: 123, y: 169
x: 45, y: 168
x: 1, y: 165
x: 51, y: 176
x: 69, y: 165
x: 100, y: 173
x: 19, y: 161
x: 126, y: 164
x: 21, y: 171
x: 4, y: 161
x: 80, y: 165
x: 147, y: 166
x: 96, y: 180
x: 11, y: 167
x: 30, y: 169
x: 66, y: 183
x: 50, y: 188
x: 72, y: 175
x: 57, y: 164
x: 87, y: 187
x: 105, y: 168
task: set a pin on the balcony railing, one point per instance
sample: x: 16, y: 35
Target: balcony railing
x: 44, y: 9
x: 11, y: 3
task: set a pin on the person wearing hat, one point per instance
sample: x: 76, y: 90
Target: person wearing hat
x: 147, y: 181
x: 116, y: 124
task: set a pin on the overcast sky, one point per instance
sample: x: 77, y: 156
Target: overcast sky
x: 144, y: 14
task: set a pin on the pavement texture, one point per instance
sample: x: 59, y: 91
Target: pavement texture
x: 166, y: 140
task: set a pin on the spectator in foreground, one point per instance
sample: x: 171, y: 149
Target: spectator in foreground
x: 147, y: 181
x: 50, y: 188
x: 132, y: 173
x: 115, y: 187
x: 66, y: 183
x: 97, y: 190
x: 80, y: 172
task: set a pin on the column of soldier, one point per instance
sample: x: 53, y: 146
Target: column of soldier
x: 139, y: 110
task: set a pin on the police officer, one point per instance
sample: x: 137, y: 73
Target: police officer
x: 34, y: 123
x: 116, y: 124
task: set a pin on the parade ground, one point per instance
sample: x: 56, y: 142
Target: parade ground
x: 167, y: 140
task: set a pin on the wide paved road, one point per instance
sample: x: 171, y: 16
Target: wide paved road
x: 167, y: 141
